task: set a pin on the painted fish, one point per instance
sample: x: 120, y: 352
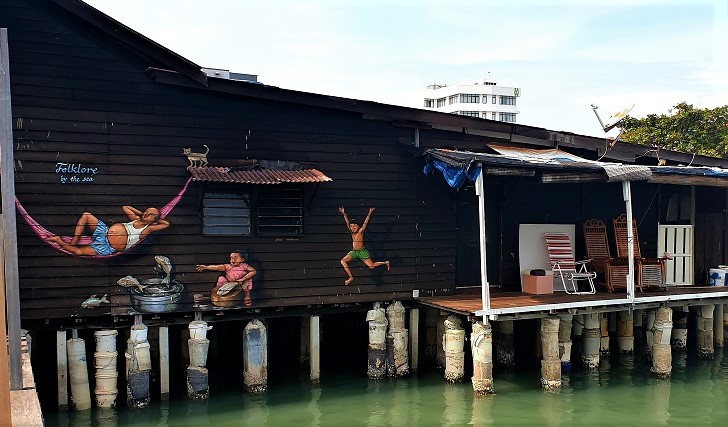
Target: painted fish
x: 127, y: 281
x: 95, y: 301
x: 166, y: 266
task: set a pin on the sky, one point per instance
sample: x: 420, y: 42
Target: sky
x: 565, y: 55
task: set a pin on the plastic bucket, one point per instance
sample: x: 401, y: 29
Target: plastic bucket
x: 717, y: 276
x: 106, y: 389
x: 138, y: 333
x: 198, y: 329
x: 198, y: 351
x: 106, y: 340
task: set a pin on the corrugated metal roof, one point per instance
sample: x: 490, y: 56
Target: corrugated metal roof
x: 256, y: 175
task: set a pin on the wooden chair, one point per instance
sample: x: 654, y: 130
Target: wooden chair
x: 565, y: 267
x: 649, y: 272
x: 613, y: 269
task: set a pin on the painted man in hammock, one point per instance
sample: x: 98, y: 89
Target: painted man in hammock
x: 358, y: 251
x: 118, y: 237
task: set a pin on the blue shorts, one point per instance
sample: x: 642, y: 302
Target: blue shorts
x: 100, y: 243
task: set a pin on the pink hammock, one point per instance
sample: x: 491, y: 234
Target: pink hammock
x: 43, y: 233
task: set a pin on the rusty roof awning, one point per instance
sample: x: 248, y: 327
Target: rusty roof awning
x: 260, y: 176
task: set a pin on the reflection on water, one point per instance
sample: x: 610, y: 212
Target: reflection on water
x: 619, y: 392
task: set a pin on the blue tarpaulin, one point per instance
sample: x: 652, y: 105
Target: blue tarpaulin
x: 454, y: 175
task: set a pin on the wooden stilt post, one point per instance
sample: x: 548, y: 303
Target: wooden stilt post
x: 679, y: 340
x: 639, y: 330
x: 550, y: 363
x: 314, y: 349
x: 504, y: 353
x: 725, y: 322
x: 481, y: 346
x: 705, y: 331
x: 661, y: 349
x: 431, y: 318
x: 591, y: 341
x: 164, y: 362
x: 565, y: 326
x: 718, y: 338
x: 377, y: 353
x: 650, y: 333
x: 625, y: 332
x: 414, y: 338
x: 305, y: 340
x: 255, y: 357
x: 604, y: 331
x: 62, y: 361
x: 577, y: 340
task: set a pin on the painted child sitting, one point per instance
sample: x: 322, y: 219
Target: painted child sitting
x: 236, y: 272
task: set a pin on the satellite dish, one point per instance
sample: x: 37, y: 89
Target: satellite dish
x: 616, y: 118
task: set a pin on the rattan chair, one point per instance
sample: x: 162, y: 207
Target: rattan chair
x: 613, y: 269
x: 565, y: 267
x: 649, y: 272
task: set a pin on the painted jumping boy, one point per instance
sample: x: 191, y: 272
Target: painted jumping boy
x: 237, y: 271
x: 358, y: 250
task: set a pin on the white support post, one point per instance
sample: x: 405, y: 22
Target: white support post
x: 627, y: 193
x: 62, y: 361
x: 485, y: 287
x: 314, y: 350
x: 164, y: 362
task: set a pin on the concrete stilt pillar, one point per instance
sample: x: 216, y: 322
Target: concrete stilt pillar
x: 625, y: 332
x: 481, y: 346
x: 431, y: 338
x: 504, y: 353
x: 591, y: 341
x: 314, y: 346
x: 577, y: 340
x: 453, y: 343
x: 105, y: 363
x: 679, y: 339
x: 639, y: 330
x: 198, y: 385
x: 305, y: 340
x: 397, y: 341
x: 255, y: 357
x: 377, y: 353
x: 649, y: 332
x: 550, y: 363
x: 718, y: 338
x: 565, y: 327
x: 604, y: 332
x: 440, y: 336
x: 138, y: 366
x: 661, y: 349
x: 414, y: 338
x: 705, y: 331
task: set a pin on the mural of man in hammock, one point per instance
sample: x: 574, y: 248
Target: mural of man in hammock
x: 108, y: 240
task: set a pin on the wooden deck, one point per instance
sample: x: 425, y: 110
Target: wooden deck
x: 523, y: 305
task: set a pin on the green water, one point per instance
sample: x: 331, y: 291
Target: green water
x: 620, y: 393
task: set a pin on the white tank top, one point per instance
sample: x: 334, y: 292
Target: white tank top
x: 133, y: 233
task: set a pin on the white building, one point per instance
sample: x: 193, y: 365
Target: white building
x: 483, y: 99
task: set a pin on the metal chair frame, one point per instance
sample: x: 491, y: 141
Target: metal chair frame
x: 561, y: 257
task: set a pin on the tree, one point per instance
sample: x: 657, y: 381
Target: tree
x: 687, y: 129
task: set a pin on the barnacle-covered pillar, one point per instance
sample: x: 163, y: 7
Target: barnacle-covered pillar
x: 377, y: 353
x: 705, y: 331
x: 591, y: 339
x: 138, y: 366
x: 481, y: 346
x: 661, y: 349
x: 625, y: 332
x: 453, y: 343
x: 550, y: 362
x: 255, y: 357
x: 398, y: 365
x: 504, y: 353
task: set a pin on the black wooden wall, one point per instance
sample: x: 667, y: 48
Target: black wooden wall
x: 80, y: 98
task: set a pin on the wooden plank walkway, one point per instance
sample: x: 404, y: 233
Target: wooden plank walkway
x: 518, y: 304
